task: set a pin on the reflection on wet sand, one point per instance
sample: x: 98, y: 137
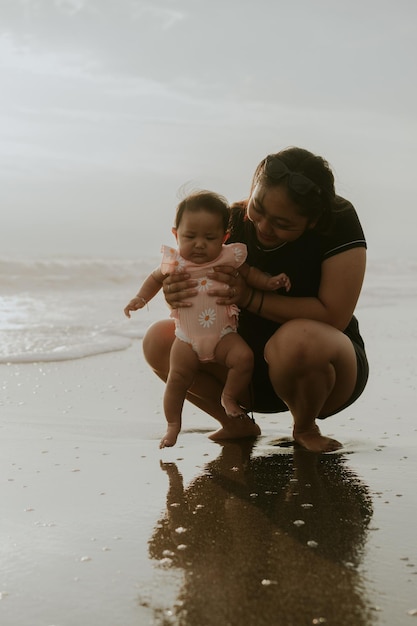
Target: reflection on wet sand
x: 266, y: 540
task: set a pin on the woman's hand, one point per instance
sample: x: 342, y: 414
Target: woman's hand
x: 235, y: 290
x: 177, y: 288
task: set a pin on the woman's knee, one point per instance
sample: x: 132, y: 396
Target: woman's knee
x: 157, y: 343
x: 295, y: 343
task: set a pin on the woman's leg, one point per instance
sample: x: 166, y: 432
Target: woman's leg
x: 312, y: 367
x: 205, y: 392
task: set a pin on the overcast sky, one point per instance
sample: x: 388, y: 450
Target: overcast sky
x: 109, y: 107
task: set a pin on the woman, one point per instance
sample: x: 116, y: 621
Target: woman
x: 309, y: 355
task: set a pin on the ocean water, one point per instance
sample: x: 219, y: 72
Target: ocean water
x: 60, y: 309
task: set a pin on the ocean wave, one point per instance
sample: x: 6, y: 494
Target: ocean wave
x: 62, y: 310
x: 36, y: 348
x: 72, y: 272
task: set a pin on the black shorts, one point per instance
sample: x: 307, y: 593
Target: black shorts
x: 265, y: 399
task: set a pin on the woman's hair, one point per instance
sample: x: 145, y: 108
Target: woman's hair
x: 207, y: 201
x: 315, y: 201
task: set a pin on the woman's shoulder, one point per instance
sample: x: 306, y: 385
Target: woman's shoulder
x: 345, y: 231
x: 342, y: 205
x: 345, y: 216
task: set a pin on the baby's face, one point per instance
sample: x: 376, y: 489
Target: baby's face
x: 200, y: 236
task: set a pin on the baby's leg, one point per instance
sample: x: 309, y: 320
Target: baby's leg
x: 233, y: 352
x: 182, y: 368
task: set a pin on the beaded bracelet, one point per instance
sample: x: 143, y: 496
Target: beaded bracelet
x: 258, y: 310
x: 249, y: 302
x: 143, y: 300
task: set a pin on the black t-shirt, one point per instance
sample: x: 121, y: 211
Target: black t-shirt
x: 301, y: 260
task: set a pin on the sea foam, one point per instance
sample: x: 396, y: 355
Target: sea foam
x: 61, y: 309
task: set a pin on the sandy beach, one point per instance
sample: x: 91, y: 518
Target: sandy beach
x: 100, y: 527
x: 111, y: 113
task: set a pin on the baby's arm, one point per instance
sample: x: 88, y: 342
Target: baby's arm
x: 259, y: 280
x: 148, y: 290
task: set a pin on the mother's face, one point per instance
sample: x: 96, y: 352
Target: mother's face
x: 275, y: 216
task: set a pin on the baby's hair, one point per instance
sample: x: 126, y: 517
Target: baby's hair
x: 207, y: 201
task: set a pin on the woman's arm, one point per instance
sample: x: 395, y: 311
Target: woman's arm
x: 340, y: 286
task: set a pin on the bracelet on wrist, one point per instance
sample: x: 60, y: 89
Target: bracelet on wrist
x: 145, y: 303
x: 259, y: 309
x: 249, y: 302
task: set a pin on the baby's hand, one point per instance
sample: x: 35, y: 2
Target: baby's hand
x: 134, y: 305
x: 277, y: 282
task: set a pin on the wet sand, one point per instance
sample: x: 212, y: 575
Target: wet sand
x: 101, y: 527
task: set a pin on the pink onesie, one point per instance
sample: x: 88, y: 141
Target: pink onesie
x: 205, y: 323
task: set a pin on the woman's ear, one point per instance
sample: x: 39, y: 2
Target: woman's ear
x: 174, y: 232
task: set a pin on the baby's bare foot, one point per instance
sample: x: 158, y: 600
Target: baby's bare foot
x: 170, y: 438
x: 231, y: 407
x: 313, y: 440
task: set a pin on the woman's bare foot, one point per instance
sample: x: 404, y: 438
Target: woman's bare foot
x: 171, y: 435
x: 313, y: 440
x: 231, y: 407
x: 236, y: 428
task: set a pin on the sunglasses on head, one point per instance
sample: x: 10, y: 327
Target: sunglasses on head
x: 275, y: 169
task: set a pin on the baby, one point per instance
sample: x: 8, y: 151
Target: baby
x: 205, y: 331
